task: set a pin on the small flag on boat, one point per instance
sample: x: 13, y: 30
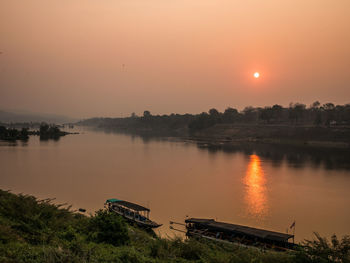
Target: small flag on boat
x: 292, y: 225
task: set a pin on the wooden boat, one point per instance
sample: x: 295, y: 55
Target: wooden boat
x: 133, y: 213
x: 244, y: 235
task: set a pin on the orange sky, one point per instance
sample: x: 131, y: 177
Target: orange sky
x: 87, y: 58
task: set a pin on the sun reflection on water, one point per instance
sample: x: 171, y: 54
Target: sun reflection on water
x: 255, y: 189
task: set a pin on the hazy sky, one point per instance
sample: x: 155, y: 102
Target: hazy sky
x: 87, y: 58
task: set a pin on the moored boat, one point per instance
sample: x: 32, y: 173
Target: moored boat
x: 249, y: 236
x: 132, y: 212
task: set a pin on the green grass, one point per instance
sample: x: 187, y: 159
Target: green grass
x: 40, y: 231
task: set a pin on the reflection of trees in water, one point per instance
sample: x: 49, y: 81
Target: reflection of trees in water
x: 47, y: 138
x: 296, y: 156
x: 11, y: 143
x: 146, y: 137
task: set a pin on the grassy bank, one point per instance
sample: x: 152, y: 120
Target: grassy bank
x: 34, y: 230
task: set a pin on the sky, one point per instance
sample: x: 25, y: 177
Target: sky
x: 85, y: 58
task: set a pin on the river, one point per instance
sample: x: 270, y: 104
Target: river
x: 258, y: 186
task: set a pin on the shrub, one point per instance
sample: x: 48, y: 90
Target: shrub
x: 107, y: 227
x: 321, y: 250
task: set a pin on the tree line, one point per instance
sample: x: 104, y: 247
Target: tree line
x: 316, y: 114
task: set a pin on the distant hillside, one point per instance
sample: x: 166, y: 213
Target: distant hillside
x: 10, y: 116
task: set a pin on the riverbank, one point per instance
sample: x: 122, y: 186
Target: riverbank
x: 308, y: 136
x: 217, y: 130
x: 34, y: 230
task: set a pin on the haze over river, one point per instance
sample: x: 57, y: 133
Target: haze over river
x: 259, y: 188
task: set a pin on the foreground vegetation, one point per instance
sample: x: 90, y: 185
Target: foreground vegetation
x: 34, y: 230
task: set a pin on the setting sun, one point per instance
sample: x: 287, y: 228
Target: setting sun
x: 141, y: 112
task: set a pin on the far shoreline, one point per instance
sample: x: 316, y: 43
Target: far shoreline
x: 232, y: 135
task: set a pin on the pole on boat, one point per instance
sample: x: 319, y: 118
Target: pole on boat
x: 175, y: 229
x: 294, y: 232
x: 293, y: 226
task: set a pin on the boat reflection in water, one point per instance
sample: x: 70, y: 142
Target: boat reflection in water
x: 255, y: 188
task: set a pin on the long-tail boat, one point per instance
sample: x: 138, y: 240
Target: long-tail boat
x: 249, y: 236
x: 133, y: 213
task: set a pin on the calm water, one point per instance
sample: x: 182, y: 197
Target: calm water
x: 256, y: 186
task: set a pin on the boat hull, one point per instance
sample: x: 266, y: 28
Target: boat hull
x: 146, y: 223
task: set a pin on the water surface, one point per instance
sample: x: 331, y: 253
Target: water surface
x: 257, y: 185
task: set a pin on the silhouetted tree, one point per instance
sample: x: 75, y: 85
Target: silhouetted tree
x: 250, y: 114
x: 296, y: 111
x: 266, y: 114
x: 230, y: 115
x: 315, y: 105
x: 24, y: 133
x: 44, y: 128
x: 213, y: 112
x: 147, y: 114
x: 318, y: 118
x: 13, y: 134
x: 202, y: 121
x: 329, y: 110
x: 277, y: 112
